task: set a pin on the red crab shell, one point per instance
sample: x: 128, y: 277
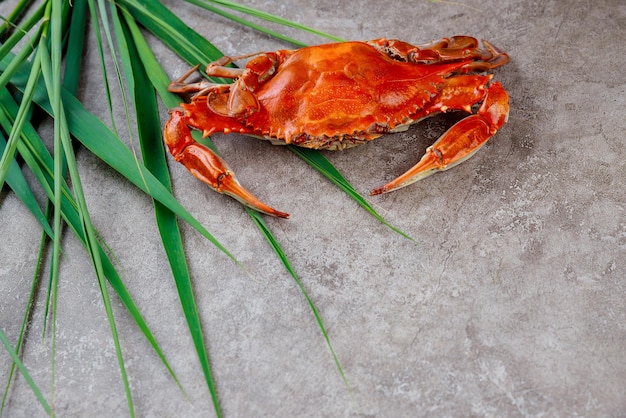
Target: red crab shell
x: 339, y: 95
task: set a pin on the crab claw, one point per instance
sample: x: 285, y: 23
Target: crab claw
x: 460, y: 142
x: 207, y: 166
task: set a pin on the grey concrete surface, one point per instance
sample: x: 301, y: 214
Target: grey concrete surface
x: 511, y: 303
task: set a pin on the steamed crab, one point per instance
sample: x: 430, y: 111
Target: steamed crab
x: 339, y: 95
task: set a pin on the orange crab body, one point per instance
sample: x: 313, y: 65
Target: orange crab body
x: 336, y: 96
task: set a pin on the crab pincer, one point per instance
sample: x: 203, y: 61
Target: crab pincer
x: 207, y: 166
x: 460, y: 142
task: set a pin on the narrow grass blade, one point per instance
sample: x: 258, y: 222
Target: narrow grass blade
x: 260, y: 223
x: 245, y: 22
x: 166, y: 26
x: 22, y: 30
x: 103, y: 69
x: 265, y: 16
x: 19, y: 58
x: 148, y: 126
x: 27, y: 311
x: 51, y: 74
x: 30, y: 148
x: 9, y: 151
x: 51, y: 69
x: 25, y: 373
x: 14, y: 15
x: 75, y: 47
x: 16, y: 181
x: 321, y: 164
x: 63, y: 151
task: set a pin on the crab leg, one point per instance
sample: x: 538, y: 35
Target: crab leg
x: 460, y: 142
x: 207, y: 166
x: 199, y: 88
x: 444, y: 50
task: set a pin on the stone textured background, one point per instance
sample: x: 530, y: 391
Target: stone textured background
x: 511, y: 303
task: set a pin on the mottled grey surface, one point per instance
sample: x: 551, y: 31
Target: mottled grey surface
x: 511, y: 303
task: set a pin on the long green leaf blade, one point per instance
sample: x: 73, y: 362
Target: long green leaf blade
x: 321, y: 164
x: 25, y: 373
x: 75, y: 47
x: 148, y: 125
x: 265, y: 16
x: 165, y: 25
x: 29, y: 90
x: 262, y: 225
x: 147, y: 72
x: 16, y: 181
x: 27, y: 311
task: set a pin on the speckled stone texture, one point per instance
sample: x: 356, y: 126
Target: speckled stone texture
x: 509, y: 303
